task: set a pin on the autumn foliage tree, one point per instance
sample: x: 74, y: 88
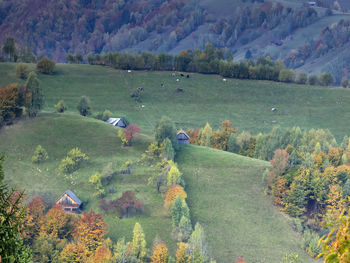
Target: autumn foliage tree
x: 131, y: 132
x: 138, y: 244
x: 34, y: 215
x: 74, y: 252
x: 174, y: 191
x: 160, y: 253
x: 57, y: 224
x: 90, y: 230
x: 102, y: 255
x: 181, y: 254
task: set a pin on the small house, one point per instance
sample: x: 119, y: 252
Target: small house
x: 182, y: 137
x: 117, y: 122
x: 69, y: 202
x: 312, y: 3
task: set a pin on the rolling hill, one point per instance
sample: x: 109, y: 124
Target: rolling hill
x: 225, y: 190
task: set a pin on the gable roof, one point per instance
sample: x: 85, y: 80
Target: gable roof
x: 182, y: 132
x: 73, y: 196
x: 113, y: 121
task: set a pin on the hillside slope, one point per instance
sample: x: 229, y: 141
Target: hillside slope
x: 59, y: 133
x: 206, y: 98
x: 55, y: 28
x: 226, y: 195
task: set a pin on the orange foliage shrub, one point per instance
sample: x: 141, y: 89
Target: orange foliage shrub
x: 239, y: 260
x: 174, y: 191
x: 160, y: 253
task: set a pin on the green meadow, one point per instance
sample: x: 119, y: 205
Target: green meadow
x: 225, y: 192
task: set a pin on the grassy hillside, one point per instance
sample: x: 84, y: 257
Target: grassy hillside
x: 60, y: 133
x: 206, y: 98
x: 225, y: 191
x: 226, y: 196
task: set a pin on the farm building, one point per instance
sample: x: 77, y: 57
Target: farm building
x: 69, y: 201
x: 117, y: 122
x: 182, y: 137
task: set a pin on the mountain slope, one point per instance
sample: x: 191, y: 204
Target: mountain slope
x: 265, y: 28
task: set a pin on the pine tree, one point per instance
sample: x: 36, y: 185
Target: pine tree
x: 138, y: 244
x: 176, y: 211
x: 36, y: 100
x: 185, y: 228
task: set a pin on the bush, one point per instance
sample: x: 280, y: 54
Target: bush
x: 313, y: 80
x: 60, y: 106
x: 73, y: 161
x: 286, y: 75
x: 46, y: 66
x: 40, y: 155
x: 106, y: 115
x: 326, y: 79
x: 84, y: 106
x: 344, y: 82
x: 22, y: 70
x: 302, y: 78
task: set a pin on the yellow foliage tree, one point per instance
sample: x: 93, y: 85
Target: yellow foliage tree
x: 160, y: 253
x: 74, y: 253
x: 138, y: 244
x: 181, y: 254
x: 102, y: 255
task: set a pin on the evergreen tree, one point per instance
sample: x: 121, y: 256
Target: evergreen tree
x: 138, y: 244
x: 84, y: 106
x: 36, y: 101
x: 176, y: 211
x: 185, y: 228
x: 168, y: 152
x: 166, y: 129
x: 10, y: 48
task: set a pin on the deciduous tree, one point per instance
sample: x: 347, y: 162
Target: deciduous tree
x: 181, y: 254
x: 36, y: 102
x: 174, y: 191
x: 160, y: 253
x: 90, y: 230
x: 138, y: 244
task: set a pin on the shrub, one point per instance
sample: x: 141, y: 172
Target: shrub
x: 302, y: 78
x: 286, y: 75
x: 46, y: 66
x: 60, y: 106
x: 22, y: 70
x: 73, y: 161
x: 313, y: 80
x: 84, y: 106
x: 326, y: 79
x: 344, y: 82
x: 106, y: 115
x: 40, y: 155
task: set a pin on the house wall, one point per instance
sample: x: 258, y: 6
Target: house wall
x: 66, y: 200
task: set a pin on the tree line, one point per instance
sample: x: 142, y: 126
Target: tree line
x: 209, y: 61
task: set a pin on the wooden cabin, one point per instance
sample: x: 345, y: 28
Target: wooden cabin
x: 69, y: 202
x: 117, y: 122
x: 182, y: 137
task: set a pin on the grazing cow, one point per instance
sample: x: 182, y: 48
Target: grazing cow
x: 224, y: 80
x: 173, y: 74
x: 274, y: 109
x: 162, y: 85
x: 182, y: 75
x: 140, y: 89
x: 187, y: 76
x: 177, y: 80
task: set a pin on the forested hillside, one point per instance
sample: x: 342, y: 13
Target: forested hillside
x: 305, y: 37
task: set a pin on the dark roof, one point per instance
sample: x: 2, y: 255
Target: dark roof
x: 184, y: 133
x: 73, y: 196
